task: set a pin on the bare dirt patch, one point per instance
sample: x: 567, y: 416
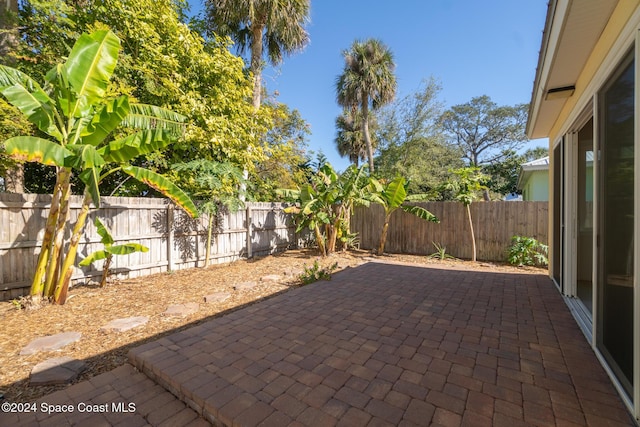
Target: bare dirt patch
x: 90, y: 308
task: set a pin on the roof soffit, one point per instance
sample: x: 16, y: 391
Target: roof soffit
x: 572, y: 30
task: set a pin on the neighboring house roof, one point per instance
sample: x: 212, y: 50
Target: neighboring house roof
x: 571, y: 31
x: 526, y: 169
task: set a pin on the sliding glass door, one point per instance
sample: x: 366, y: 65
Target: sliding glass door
x: 584, y: 217
x: 615, y: 336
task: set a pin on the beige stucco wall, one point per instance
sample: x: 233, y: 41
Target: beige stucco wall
x: 619, y: 19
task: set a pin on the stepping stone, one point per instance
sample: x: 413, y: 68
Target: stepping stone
x: 270, y: 278
x: 50, y: 343
x: 59, y: 370
x: 217, y: 297
x: 244, y: 286
x: 181, y: 310
x: 121, y: 325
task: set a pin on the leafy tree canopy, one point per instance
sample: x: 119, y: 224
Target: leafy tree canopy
x: 483, y: 131
x: 162, y: 62
x: 412, y: 143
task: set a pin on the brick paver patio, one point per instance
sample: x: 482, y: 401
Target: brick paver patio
x: 380, y: 344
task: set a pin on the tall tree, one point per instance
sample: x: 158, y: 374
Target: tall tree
x: 367, y: 80
x: 10, y: 119
x: 162, y: 62
x: 349, y: 137
x: 274, y: 28
x: 484, y: 131
x: 412, y: 143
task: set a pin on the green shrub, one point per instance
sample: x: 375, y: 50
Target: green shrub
x: 527, y: 251
x: 315, y: 273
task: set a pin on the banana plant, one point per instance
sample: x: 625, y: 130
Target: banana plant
x: 73, y: 110
x: 109, y: 250
x: 324, y: 205
x: 393, y: 196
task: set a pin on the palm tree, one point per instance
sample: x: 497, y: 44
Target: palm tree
x: 367, y: 78
x: 349, y: 139
x: 277, y: 26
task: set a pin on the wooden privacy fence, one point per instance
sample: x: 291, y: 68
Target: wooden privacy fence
x: 175, y: 241
x: 494, y: 224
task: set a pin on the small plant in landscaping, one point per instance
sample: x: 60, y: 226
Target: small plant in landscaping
x: 441, y: 252
x: 109, y: 250
x: 527, y: 251
x: 315, y: 273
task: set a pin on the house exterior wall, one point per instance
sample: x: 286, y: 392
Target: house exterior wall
x: 621, y: 33
x: 621, y: 15
x: 536, y: 189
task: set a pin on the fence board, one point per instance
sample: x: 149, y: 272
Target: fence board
x: 494, y: 224
x: 175, y: 241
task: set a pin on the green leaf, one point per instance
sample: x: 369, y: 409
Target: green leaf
x: 420, y: 212
x: 127, y: 248
x: 106, y: 120
x: 26, y: 95
x: 90, y: 66
x: 34, y: 149
x: 164, y: 186
x: 91, y: 178
x: 395, y: 193
x: 85, y: 157
x: 104, y: 232
x: 143, y: 116
x: 132, y: 146
x: 92, y: 257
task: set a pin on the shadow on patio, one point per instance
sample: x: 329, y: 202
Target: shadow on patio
x: 381, y: 344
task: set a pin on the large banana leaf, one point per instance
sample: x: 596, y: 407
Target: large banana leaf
x: 34, y: 149
x: 420, y: 212
x: 164, y: 186
x: 143, y: 116
x: 94, y: 256
x: 132, y: 146
x: 27, y: 96
x: 106, y: 120
x: 87, y: 159
x: 85, y: 156
x: 395, y: 193
x: 91, y: 179
x: 104, y: 232
x: 89, y: 67
x: 126, y: 249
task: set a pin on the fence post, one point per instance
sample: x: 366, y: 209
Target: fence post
x: 248, y: 222
x: 170, y: 236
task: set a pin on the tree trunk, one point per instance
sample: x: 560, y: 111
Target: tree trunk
x: 207, y: 251
x: 365, y: 130
x: 320, y: 241
x: 383, y: 236
x: 51, y: 277
x: 105, y: 270
x: 60, y: 295
x: 473, y: 236
x: 37, y: 284
x: 256, y: 62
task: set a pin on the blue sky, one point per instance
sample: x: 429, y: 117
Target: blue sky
x: 472, y: 47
